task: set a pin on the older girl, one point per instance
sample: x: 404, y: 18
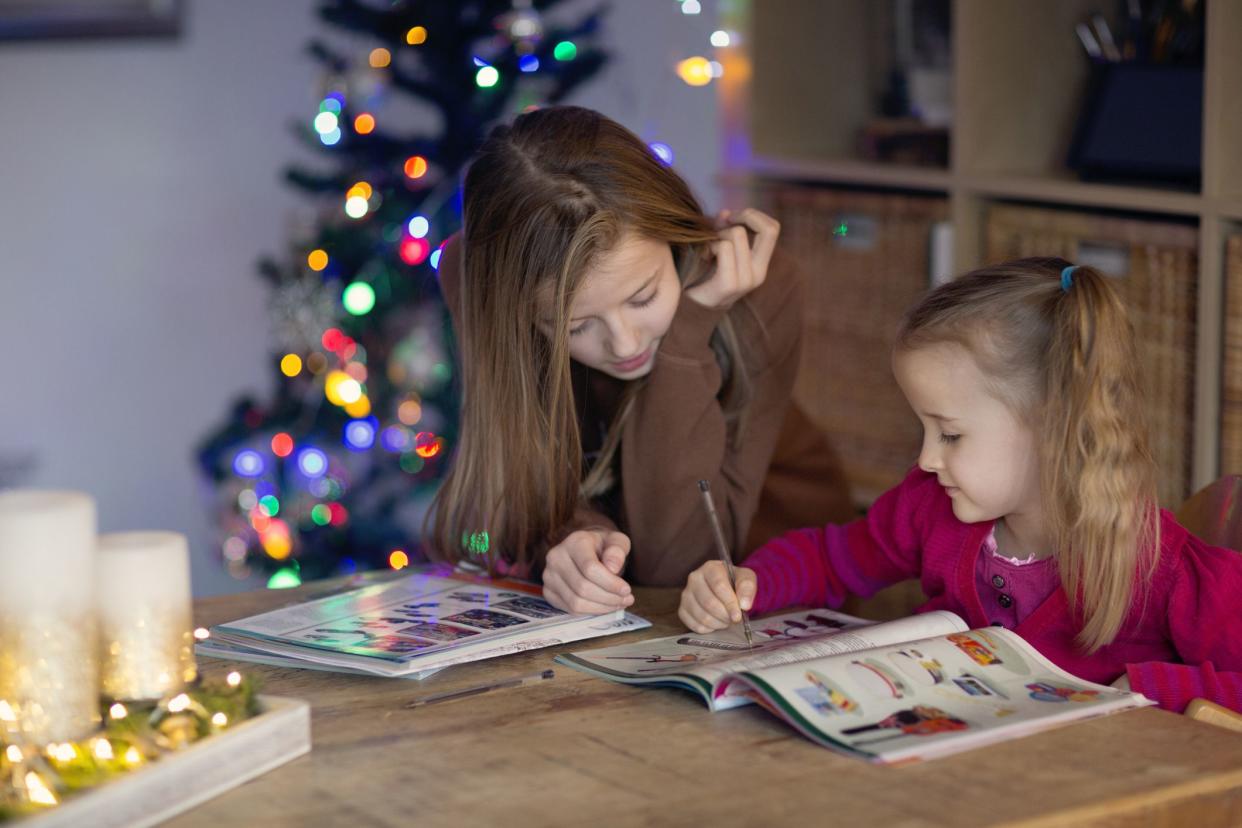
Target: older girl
x: 616, y: 346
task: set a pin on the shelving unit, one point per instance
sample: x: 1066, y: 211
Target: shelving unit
x: 802, y: 79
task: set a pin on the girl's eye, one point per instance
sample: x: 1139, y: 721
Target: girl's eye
x: 579, y: 329
x: 950, y: 438
x: 645, y: 302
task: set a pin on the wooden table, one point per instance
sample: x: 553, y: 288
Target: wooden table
x: 581, y: 751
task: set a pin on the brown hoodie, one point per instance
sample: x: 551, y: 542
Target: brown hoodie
x: 783, y: 474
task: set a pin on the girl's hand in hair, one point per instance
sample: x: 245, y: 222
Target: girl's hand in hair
x: 582, y: 574
x: 708, y: 603
x: 741, y: 265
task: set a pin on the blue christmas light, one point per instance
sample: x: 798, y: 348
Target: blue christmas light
x: 360, y: 434
x: 662, y: 151
x: 395, y: 439
x: 330, y: 138
x: 248, y: 463
x: 434, y: 259
x: 528, y: 63
x: 312, y: 462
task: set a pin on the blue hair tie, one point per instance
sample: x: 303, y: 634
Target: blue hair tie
x: 1067, y: 277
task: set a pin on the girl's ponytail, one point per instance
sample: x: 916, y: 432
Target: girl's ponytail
x: 1099, y: 486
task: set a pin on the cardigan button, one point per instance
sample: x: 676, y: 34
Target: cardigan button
x: 1004, y: 600
x: 998, y: 582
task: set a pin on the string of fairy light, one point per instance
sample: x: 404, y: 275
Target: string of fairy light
x: 35, y: 777
x: 338, y: 367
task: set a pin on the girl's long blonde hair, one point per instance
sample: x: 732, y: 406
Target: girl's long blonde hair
x: 1064, y: 361
x: 543, y: 198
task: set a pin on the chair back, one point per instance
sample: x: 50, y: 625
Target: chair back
x: 1214, y: 513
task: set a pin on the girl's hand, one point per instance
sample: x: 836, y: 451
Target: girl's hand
x: 582, y: 573
x: 740, y: 266
x: 708, y: 603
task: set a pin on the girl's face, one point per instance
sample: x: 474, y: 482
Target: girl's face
x: 985, y: 457
x: 624, y: 307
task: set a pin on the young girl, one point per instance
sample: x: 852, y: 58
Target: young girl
x: 616, y: 346
x: 1033, y: 504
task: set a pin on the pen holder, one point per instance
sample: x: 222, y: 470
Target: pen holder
x: 1141, y: 122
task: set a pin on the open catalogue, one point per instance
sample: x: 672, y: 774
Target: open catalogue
x: 901, y: 691
x: 410, y: 627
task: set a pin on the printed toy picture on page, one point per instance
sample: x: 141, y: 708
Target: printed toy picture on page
x: 989, y: 651
x: 918, y: 668
x: 1046, y: 691
x: 437, y: 632
x: 920, y: 720
x: 826, y: 697
x: 485, y: 619
x: 469, y: 597
x: 530, y: 606
x: 877, y: 679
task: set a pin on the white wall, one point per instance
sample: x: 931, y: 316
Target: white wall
x: 139, y: 184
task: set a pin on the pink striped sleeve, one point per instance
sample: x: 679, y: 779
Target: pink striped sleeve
x: 819, y: 567
x: 1173, y: 686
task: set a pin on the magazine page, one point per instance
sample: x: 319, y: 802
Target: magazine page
x: 702, y: 661
x: 226, y: 646
x: 929, y: 698
x: 430, y: 618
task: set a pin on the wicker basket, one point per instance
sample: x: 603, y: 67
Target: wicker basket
x: 865, y: 260
x: 1231, y: 392
x: 1158, y: 285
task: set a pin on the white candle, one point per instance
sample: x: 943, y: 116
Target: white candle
x: 48, y: 667
x: 143, y: 597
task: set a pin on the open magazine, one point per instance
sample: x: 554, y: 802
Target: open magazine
x: 917, y: 688
x: 410, y: 627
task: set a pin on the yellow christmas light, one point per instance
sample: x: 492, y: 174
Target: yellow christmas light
x: 696, y: 71
x: 360, y: 407
x: 416, y: 36
x: 291, y: 365
x: 317, y: 259
x: 379, y: 58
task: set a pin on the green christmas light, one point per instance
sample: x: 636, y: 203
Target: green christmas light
x: 358, y: 298
x: 321, y: 515
x: 270, y: 504
x: 565, y: 50
x: 284, y: 579
x: 487, y: 77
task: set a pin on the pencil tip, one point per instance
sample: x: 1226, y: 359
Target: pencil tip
x: 703, y: 486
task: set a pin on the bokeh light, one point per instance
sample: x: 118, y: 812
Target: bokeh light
x: 282, y: 444
x: 696, y: 71
x: 358, y: 298
x: 291, y: 365
x: 248, y: 463
x: 312, y: 462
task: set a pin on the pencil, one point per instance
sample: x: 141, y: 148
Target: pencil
x: 722, y: 549
x: 517, y: 681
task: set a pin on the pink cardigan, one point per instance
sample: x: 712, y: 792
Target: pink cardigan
x: 1170, y: 644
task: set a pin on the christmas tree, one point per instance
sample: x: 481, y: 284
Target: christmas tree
x: 335, y: 472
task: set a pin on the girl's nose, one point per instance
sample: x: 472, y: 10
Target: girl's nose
x: 929, y: 457
x: 625, y: 340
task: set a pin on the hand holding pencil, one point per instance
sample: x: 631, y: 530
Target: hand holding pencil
x: 718, y: 593
x: 709, y: 603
